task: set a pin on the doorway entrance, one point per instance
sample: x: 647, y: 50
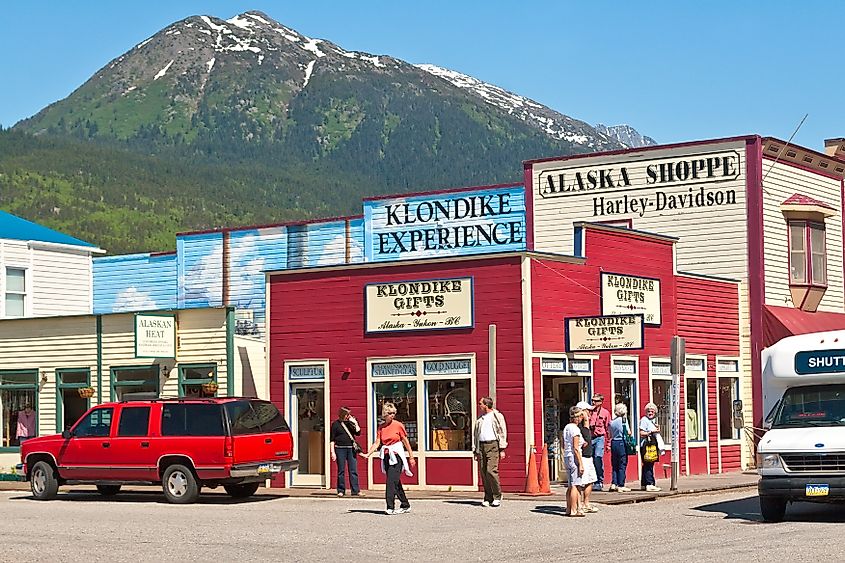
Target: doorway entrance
x: 560, y: 393
x: 309, y: 431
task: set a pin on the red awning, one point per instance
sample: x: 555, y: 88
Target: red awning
x: 780, y: 322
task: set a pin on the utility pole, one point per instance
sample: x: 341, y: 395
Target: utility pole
x: 677, y: 365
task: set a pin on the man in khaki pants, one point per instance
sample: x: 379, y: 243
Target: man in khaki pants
x: 489, y: 441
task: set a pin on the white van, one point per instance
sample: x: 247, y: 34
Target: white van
x: 802, y: 456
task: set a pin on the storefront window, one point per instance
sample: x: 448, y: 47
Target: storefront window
x: 18, y: 391
x: 198, y: 380
x: 625, y: 388
x: 449, y: 415
x: 128, y: 382
x: 72, y: 387
x: 661, y: 395
x: 728, y: 393
x: 403, y: 395
x: 696, y: 422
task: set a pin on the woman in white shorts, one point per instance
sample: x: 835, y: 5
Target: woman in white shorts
x: 572, y: 444
x: 589, y: 477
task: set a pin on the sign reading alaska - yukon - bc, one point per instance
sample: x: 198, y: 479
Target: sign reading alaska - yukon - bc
x: 702, y: 173
x: 610, y: 332
x: 155, y: 336
x: 449, y: 224
x: 623, y: 294
x: 419, y: 305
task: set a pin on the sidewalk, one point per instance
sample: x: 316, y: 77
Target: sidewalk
x: 686, y: 485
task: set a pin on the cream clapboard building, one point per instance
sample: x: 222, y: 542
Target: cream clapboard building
x: 749, y: 208
x: 54, y: 364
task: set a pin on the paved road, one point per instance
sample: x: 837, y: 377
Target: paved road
x: 140, y: 526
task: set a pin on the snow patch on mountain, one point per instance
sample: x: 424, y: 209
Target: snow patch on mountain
x: 308, y: 70
x: 163, y: 71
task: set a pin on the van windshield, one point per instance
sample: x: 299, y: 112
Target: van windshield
x: 817, y: 405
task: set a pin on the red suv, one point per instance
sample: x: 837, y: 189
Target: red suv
x: 181, y: 444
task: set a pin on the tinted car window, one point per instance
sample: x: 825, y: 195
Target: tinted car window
x: 96, y: 424
x: 255, y: 417
x: 134, y: 421
x: 191, y: 420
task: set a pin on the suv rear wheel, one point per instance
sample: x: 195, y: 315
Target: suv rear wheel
x: 108, y: 490
x: 179, y: 485
x: 241, y: 491
x: 43, y: 481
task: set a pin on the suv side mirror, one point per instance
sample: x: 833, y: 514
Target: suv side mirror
x: 67, y: 434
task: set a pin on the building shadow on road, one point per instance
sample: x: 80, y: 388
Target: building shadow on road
x: 367, y: 511
x: 748, y: 509
x: 550, y: 509
x: 148, y: 497
x: 464, y: 502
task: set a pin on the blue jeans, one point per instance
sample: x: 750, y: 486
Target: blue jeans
x: 618, y: 461
x: 648, y: 474
x: 598, y: 461
x: 347, y: 456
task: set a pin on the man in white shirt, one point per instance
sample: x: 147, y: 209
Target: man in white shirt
x: 489, y: 440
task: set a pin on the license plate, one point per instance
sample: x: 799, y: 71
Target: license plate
x: 269, y: 468
x: 817, y: 490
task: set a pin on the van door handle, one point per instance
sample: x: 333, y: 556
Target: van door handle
x: 268, y: 440
x: 106, y: 444
x: 145, y: 444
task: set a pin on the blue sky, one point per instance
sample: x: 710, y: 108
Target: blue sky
x: 674, y: 70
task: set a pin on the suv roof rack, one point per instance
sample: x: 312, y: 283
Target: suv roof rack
x: 146, y: 396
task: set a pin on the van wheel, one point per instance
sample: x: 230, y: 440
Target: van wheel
x: 179, y: 485
x: 108, y: 490
x: 241, y: 491
x: 43, y: 481
x: 773, y: 509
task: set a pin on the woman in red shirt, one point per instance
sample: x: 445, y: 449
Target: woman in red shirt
x: 396, y: 454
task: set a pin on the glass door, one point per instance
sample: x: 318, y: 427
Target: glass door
x: 309, y: 432
x: 562, y: 393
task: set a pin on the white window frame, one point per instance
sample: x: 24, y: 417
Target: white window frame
x: 26, y: 289
x: 665, y: 433
x: 614, y: 375
x: 720, y: 374
x: 292, y: 476
x: 700, y: 375
x: 422, y: 453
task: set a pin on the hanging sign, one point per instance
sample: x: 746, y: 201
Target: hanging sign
x: 623, y: 294
x: 419, y: 305
x: 155, y: 336
x: 609, y: 332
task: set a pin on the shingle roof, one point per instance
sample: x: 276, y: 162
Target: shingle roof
x: 801, y: 199
x: 15, y: 228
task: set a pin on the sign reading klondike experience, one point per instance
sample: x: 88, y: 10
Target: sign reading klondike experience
x: 666, y: 179
x: 419, y: 305
x: 448, y: 224
x: 611, y: 332
x: 622, y: 294
x: 155, y: 336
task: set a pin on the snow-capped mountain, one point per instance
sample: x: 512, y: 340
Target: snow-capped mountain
x: 626, y: 135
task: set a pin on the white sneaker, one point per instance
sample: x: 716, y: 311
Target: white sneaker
x: 401, y: 510
x: 652, y: 489
x: 613, y: 488
x: 623, y: 489
x: 485, y: 503
x: 390, y: 511
x: 496, y: 502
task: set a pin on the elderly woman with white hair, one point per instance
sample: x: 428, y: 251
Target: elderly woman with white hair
x: 618, y: 454
x: 396, y: 458
x: 648, y: 430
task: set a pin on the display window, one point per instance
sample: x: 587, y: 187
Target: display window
x: 135, y: 382
x: 661, y: 395
x: 198, y: 380
x: 18, y: 402
x: 727, y: 373
x: 695, y: 385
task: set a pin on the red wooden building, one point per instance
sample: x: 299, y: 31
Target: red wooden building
x: 418, y: 333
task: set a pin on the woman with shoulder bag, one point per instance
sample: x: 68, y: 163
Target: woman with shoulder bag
x: 344, y: 450
x: 619, y: 434
x: 648, y: 447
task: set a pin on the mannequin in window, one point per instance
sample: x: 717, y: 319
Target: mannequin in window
x: 692, y: 423
x: 26, y: 424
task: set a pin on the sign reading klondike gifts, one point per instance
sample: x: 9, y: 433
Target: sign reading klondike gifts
x: 419, y: 305
x: 611, y: 332
x: 622, y: 294
x: 155, y: 336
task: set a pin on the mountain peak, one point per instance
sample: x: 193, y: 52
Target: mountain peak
x: 627, y: 135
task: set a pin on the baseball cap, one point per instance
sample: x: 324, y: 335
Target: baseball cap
x: 583, y: 405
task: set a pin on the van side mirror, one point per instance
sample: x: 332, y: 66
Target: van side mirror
x: 67, y: 434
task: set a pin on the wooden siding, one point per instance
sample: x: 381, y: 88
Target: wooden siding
x: 320, y: 316
x: 698, y: 250
x: 783, y: 181
x: 134, y: 282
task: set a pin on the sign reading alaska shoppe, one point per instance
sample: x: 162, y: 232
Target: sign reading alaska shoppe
x: 448, y: 224
x: 155, y: 336
x: 610, y: 332
x: 622, y: 294
x: 419, y: 305
x: 606, y: 184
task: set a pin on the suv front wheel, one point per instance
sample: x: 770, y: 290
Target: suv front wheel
x: 43, y: 481
x: 179, y: 485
